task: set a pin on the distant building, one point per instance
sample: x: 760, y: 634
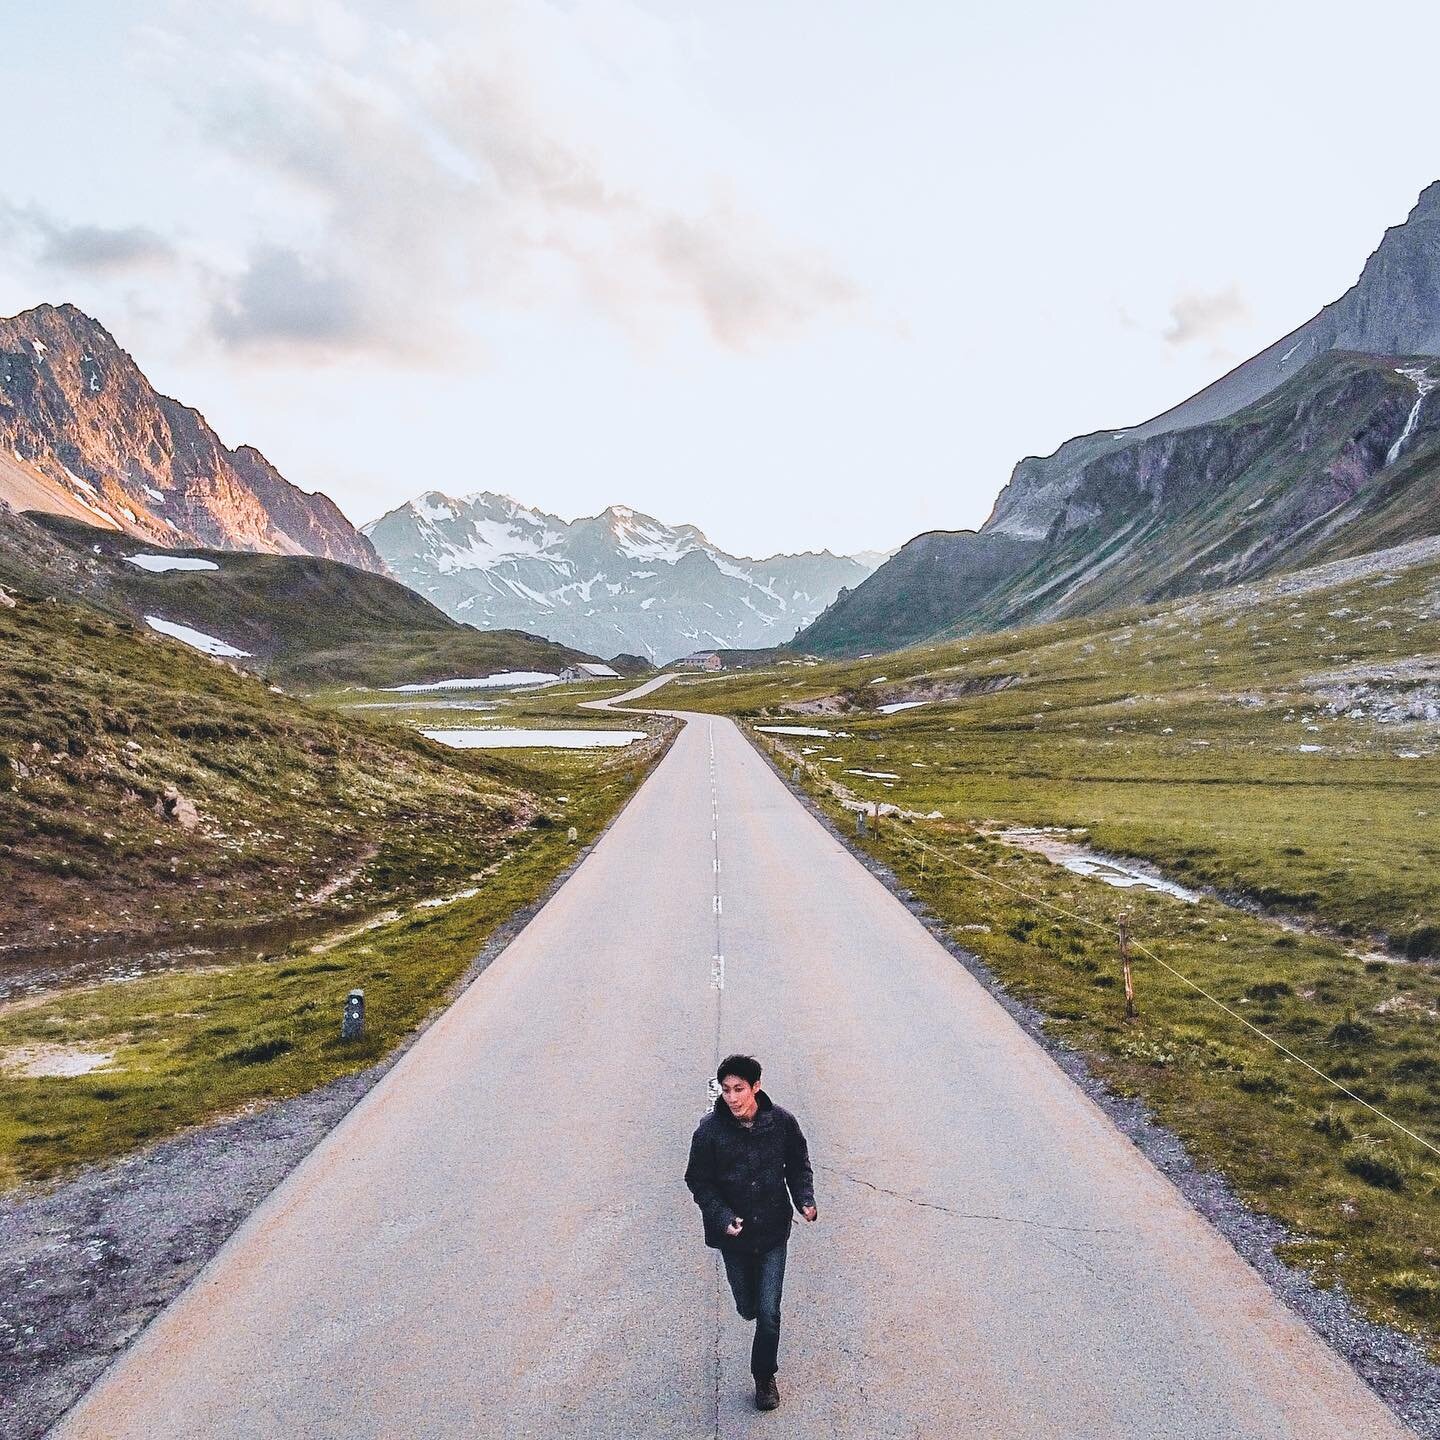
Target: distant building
x: 584, y: 670
x: 700, y: 660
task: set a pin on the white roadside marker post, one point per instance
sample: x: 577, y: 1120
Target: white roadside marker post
x: 352, y: 1023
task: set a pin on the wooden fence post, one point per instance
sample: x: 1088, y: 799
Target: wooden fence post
x: 1125, y: 965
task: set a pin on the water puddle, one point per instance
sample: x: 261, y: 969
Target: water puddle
x: 424, y: 705
x: 505, y: 681
x: 1080, y: 860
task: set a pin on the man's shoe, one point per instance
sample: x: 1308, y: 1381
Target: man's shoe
x: 767, y: 1397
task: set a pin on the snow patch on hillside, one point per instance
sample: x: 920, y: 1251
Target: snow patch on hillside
x: 432, y: 507
x: 196, y: 639
x: 160, y: 564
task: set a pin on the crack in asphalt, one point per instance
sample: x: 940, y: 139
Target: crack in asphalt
x: 1084, y: 1263
x: 963, y: 1214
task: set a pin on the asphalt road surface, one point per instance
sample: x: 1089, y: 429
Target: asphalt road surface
x: 497, y: 1240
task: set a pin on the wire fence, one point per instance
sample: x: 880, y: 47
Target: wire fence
x: 987, y: 878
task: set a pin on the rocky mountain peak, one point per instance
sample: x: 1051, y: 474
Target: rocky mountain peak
x: 84, y: 434
x: 1429, y: 198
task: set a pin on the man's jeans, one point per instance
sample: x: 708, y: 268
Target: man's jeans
x: 756, y: 1281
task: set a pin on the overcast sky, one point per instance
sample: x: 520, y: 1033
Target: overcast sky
x: 804, y: 273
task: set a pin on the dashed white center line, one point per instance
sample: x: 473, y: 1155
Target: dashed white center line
x: 717, y: 963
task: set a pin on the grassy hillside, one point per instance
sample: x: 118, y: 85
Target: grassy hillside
x: 1279, y: 744
x: 918, y: 591
x: 414, y: 852
x: 305, y: 621
x: 98, y: 717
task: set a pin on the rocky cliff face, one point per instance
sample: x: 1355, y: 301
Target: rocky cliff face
x: 1279, y: 484
x: 1392, y: 309
x: 617, y: 581
x: 84, y: 434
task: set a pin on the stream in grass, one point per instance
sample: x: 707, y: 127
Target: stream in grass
x: 1055, y: 846
x: 1081, y: 860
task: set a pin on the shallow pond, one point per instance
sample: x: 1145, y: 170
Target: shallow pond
x: 498, y: 739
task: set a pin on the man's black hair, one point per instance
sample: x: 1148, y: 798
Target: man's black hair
x: 744, y: 1067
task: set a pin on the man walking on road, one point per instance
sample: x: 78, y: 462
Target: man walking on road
x: 748, y: 1161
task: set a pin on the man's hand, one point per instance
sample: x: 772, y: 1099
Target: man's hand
x: 810, y: 1213
x: 735, y: 1226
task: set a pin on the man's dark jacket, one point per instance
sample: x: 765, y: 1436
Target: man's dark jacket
x: 752, y: 1172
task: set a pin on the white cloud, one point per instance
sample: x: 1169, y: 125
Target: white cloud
x: 1205, y: 315
x: 61, y: 245
x: 400, y: 179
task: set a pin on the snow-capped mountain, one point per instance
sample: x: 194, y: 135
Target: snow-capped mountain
x: 615, y: 582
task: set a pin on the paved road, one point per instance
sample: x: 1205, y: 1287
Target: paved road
x: 496, y: 1242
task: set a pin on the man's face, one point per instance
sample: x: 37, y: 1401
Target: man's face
x: 739, y: 1096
